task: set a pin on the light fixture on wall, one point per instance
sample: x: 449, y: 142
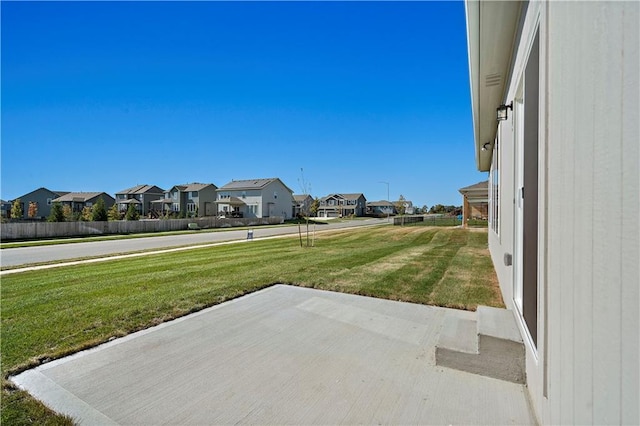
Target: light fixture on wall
x: 486, y: 146
x: 502, y: 111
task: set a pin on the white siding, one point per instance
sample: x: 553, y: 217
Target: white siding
x: 593, y: 206
x: 585, y: 368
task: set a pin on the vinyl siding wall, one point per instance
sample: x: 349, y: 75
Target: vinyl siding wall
x: 585, y: 367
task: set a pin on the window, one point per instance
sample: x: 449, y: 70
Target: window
x: 191, y: 207
x: 275, y: 194
x: 175, y: 207
x: 244, y: 194
x: 88, y: 204
x: 193, y: 194
x: 49, y: 201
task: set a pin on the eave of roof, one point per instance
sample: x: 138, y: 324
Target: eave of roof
x: 492, y: 28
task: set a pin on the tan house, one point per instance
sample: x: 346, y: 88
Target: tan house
x: 79, y: 200
x: 475, y: 201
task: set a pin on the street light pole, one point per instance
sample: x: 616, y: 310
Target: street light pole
x: 387, y: 183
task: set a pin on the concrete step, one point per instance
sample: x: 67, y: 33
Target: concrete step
x: 489, y: 346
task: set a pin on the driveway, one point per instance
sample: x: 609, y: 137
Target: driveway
x: 282, y: 355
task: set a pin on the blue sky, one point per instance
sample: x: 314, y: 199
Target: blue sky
x: 102, y: 96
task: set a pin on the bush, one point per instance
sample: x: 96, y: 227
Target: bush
x: 132, y: 213
x: 57, y: 213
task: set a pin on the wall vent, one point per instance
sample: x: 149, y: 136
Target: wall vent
x: 492, y: 80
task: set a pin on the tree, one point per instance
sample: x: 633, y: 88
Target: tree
x: 113, y: 213
x: 400, y: 205
x: 57, y: 214
x: 99, y: 212
x: 68, y: 213
x: 86, y: 215
x: 33, y: 209
x: 315, y: 206
x: 132, y: 213
x: 16, y: 209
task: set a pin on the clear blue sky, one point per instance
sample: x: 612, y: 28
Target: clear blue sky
x: 102, y: 96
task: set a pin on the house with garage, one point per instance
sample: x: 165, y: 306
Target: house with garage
x: 188, y: 200
x: 141, y: 197
x: 341, y: 205
x: 43, y: 199
x: 302, y: 205
x: 79, y: 200
x: 255, y: 198
x: 381, y: 208
x: 475, y: 202
x: 554, y: 92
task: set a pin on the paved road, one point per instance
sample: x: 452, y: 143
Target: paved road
x: 30, y: 255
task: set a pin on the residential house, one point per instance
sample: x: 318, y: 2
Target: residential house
x: 43, y: 198
x: 407, y: 206
x: 190, y: 199
x: 5, y: 209
x: 302, y: 205
x: 563, y: 160
x: 381, y: 208
x: 256, y: 198
x: 340, y: 205
x: 142, y: 197
x: 79, y: 200
x: 475, y: 201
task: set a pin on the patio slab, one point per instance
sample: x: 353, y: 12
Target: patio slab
x: 282, y: 355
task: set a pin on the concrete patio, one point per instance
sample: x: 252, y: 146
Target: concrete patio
x: 283, y: 355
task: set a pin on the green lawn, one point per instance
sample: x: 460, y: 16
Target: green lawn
x: 51, y: 313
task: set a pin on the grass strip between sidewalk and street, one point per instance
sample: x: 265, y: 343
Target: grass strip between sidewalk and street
x: 52, y: 313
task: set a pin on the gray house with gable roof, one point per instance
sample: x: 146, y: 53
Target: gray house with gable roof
x: 339, y: 205
x: 256, y: 198
x: 79, y: 200
x: 141, y: 196
x: 43, y: 198
x: 192, y: 199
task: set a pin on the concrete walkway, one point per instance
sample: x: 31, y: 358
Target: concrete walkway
x: 283, y: 355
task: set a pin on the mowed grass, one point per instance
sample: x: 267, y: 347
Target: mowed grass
x: 51, y: 313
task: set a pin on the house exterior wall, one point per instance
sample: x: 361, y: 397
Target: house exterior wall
x: 584, y: 366
x: 274, y: 199
x: 280, y: 205
x: 43, y: 197
x: 205, y: 201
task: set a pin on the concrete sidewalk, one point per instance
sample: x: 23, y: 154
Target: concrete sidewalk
x: 283, y: 355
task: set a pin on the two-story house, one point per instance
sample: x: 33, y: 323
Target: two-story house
x: 340, y: 205
x: 256, y: 198
x: 190, y: 199
x: 79, y: 200
x: 302, y: 205
x: 43, y: 199
x: 141, y: 196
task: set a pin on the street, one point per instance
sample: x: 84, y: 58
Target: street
x: 52, y: 253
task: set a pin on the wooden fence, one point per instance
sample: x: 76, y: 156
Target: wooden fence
x: 42, y: 230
